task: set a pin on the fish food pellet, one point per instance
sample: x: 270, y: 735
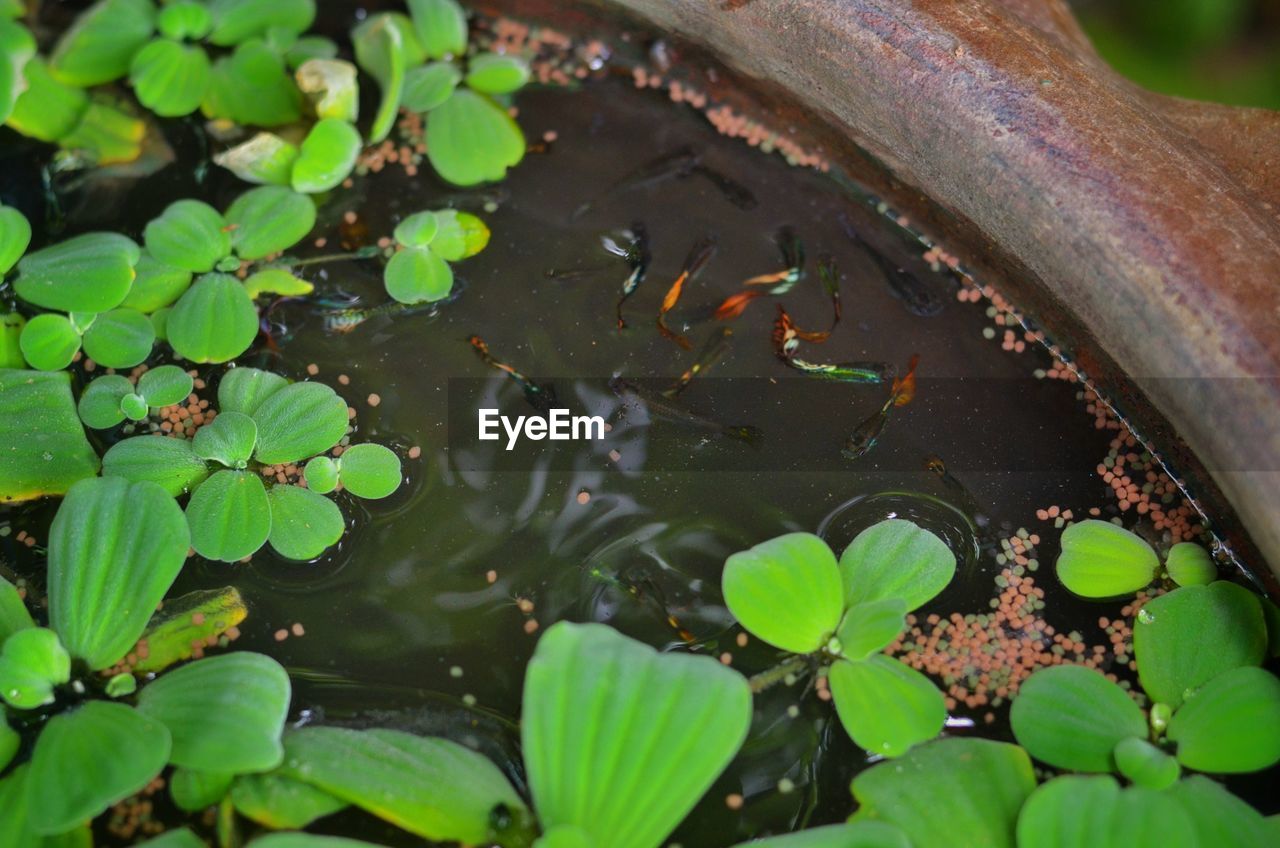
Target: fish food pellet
x: 374, y: 400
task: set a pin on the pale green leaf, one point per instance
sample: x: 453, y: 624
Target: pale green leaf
x: 380, y: 46
x: 460, y: 235
x: 369, y: 471
x: 45, y: 109
x: 187, y: 622
x: 99, y: 44
x: 229, y: 515
x: 493, y: 73
x: 1189, y: 564
x: 896, y: 559
x: 46, y: 446
x: 266, y: 158
x: 417, y: 230
x: 621, y: 740
x: 156, y: 285
x: 1231, y: 724
x: 85, y: 273
x: 785, y: 591
x: 170, y: 78
x: 165, y: 385
x: 133, y: 406
x: 281, y: 803
x: 180, y: 838
x: 32, y: 663
x: 99, y: 405
x: 1144, y: 764
x: 471, y: 139
x: 49, y: 342
x: 326, y: 156
x: 418, y: 275
x: 235, y: 21
x: 303, y: 524
x: 215, y: 320
x: 862, y: 689
x: 252, y: 87
x: 115, y: 548
x: 1073, y: 717
x: 1094, y: 812
x: 188, y: 234
x: 169, y: 463
x: 90, y: 758
x: 427, y: 86
x: 863, y: 834
x: 244, y: 389
x: 229, y: 440
x: 868, y: 628
x: 193, y: 790
x: 13, y: 612
x: 15, y: 236
x: 225, y: 713
x: 184, y: 20
x: 269, y: 220
x: 1186, y: 638
x: 441, y: 27
x: 1101, y: 560
x: 17, y: 47
x: 298, y: 422
x: 331, y: 86
x: 1220, y: 818
x: 321, y: 474
x: 119, y: 338
x: 307, y: 840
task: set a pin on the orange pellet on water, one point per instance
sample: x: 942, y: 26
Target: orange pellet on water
x: 415, y: 452
x: 491, y: 576
x: 374, y: 400
x: 584, y: 497
x: 298, y: 629
x: 281, y: 635
x: 313, y: 369
x: 734, y: 801
x: 531, y: 626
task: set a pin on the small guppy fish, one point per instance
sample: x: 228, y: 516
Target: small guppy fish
x: 668, y: 409
x: 779, y: 282
x: 786, y: 341
x: 636, y: 253
x: 866, y: 435
x: 343, y: 321
x: 699, y: 255
x: 712, y: 350
x: 540, y: 396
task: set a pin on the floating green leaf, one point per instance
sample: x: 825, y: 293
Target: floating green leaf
x: 265, y: 158
x: 15, y: 236
x: 1102, y: 560
x: 119, y: 338
x: 369, y: 471
x: 862, y: 834
x: 100, y: 43
x: 121, y: 685
x: 190, y: 620
x: 427, y: 86
x: 184, y: 19
x: 99, y: 405
x: 418, y: 275
x: 190, y: 235
x: 164, y: 385
x: 331, y: 85
x: 326, y: 156
x: 17, y: 47
x: 862, y: 689
x: 1231, y: 724
x: 1094, y: 812
x: 299, y: 421
x: 252, y: 87
x: 46, y: 449
x: 471, y: 139
x: 1144, y: 764
x: 1220, y: 818
x: 32, y: 663
x: 1073, y: 717
x: 180, y: 838
x: 235, y: 21
x: 244, y: 389
x: 307, y: 840
x: 229, y: 515
x: 460, y: 235
x: 605, y: 747
x: 1189, y: 564
x: 431, y: 787
x: 321, y: 474
x: 785, y: 591
x: 85, y: 273
x: 417, y: 230
x: 1186, y: 638
x: 896, y: 559
x: 949, y: 787
x: 115, y: 548
x: 214, y: 321
x: 133, y: 406
x: 13, y: 612
x: 156, y: 285
x: 45, y: 109
x: 169, y: 463
x: 303, y: 523
x: 229, y: 440
x: 281, y: 803
x: 380, y: 47
x: 441, y: 27
x: 276, y: 281
x: 90, y: 758
x: 268, y: 220
x: 170, y: 78
x: 868, y: 628
x: 193, y: 790
x: 225, y: 713
x: 493, y: 73
x: 49, y: 342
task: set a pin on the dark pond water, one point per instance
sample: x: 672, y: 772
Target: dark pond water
x: 424, y: 617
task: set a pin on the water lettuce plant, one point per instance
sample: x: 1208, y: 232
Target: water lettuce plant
x: 45, y: 449
x: 1103, y: 560
x: 1212, y: 710
x: 115, y: 548
x: 110, y: 399
x: 420, y: 64
x: 262, y: 420
x: 793, y: 594
x: 419, y: 271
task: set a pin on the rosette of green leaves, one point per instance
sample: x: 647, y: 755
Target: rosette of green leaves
x: 793, y: 594
x: 1213, y: 708
x: 262, y: 420
x: 420, y: 63
x: 115, y: 548
x: 328, y: 152
x: 110, y: 399
x: 1103, y: 560
x: 213, y: 319
x: 419, y: 271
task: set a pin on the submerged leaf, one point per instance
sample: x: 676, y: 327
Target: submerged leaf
x: 620, y: 740
x: 49, y: 342
x: 861, y: 690
x: 119, y: 338
x: 115, y: 548
x: 215, y: 320
x: 269, y: 220
x: 1073, y: 717
x: 326, y: 156
x: 418, y: 275
x: 1102, y: 560
x: 225, y: 713
x: 1094, y: 812
x: 1231, y: 724
x: 188, y: 234
x: 369, y: 471
x: 170, y: 78
x: 85, y: 273
x: 90, y: 758
x: 303, y: 523
x: 229, y: 515
x: 471, y: 139
x: 785, y: 591
x: 32, y: 663
x: 169, y: 463
x: 298, y: 422
x: 46, y: 449
x: 1186, y: 638
x: 896, y: 559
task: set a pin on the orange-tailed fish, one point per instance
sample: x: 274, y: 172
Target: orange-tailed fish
x: 713, y: 349
x: 541, y: 396
x: 868, y: 432
x: 697, y: 259
x: 792, y: 256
